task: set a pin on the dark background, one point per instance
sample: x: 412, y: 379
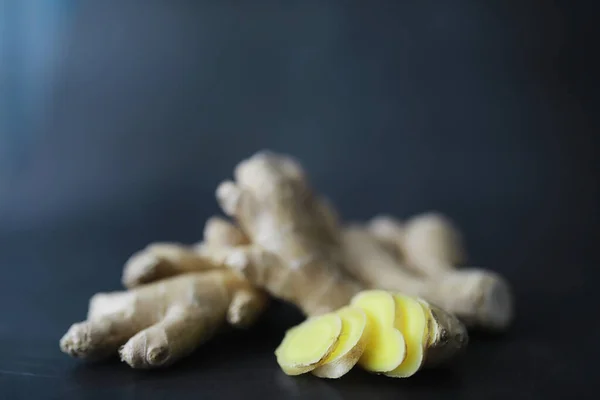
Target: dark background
x: 118, y: 120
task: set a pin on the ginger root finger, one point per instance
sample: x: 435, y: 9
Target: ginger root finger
x: 350, y: 346
x: 156, y: 324
x: 386, y: 348
x: 272, y: 202
x: 306, y: 345
x: 246, y: 306
x: 176, y: 335
x: 98, y: 339
x: 429, y: 243
x: 431, y: 246
x: 370, y: 262
x: 161, y: 260
x: 222, y: 233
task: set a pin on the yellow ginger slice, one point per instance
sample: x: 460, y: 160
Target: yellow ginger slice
x: 350, y: 345
x: 305, y: 346
x: 386, y: 348
x: 412, y: 320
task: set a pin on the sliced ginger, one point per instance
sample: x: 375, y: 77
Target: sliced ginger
x: 386, y: 347
x: 412, y: 321
x: 306, y: 345
x: 350, y: 346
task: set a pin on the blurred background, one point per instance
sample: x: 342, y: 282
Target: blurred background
x: 119, y: 118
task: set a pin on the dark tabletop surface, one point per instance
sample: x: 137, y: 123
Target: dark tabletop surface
x: 117, y: 121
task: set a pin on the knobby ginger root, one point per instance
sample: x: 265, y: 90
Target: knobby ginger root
x: 156, y: 324
x: 308, y: 344
x: 295, y: 253
x: 350, y: 346
x: 430, y: 246
x: 223, y: 233
x: 162, y: 260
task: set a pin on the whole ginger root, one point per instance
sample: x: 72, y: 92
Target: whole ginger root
x: 372, y: 299
x: 177, y: 299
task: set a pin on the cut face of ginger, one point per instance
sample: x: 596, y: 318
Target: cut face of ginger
x: 386, y: 348
x: 412, y: 321
x: 308, y: 344
x: 350, y: 345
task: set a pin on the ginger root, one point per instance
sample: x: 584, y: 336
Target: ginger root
x: 294, y: 254
x: 362, y: 307
x: 162, y: 260
x: 157, y: 324
x: 178, y: 299
x: 431, y: 247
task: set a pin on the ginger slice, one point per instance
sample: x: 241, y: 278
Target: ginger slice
x: 412, y: 320
x: 305, y: 346
x: 350, y: 346
x: 386, y: 348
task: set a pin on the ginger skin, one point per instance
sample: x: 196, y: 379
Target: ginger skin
x: 178, y: 299
x: 430, y: 246
x: 162, y: 260
x: 294, y: 254
x: 157, y: 324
